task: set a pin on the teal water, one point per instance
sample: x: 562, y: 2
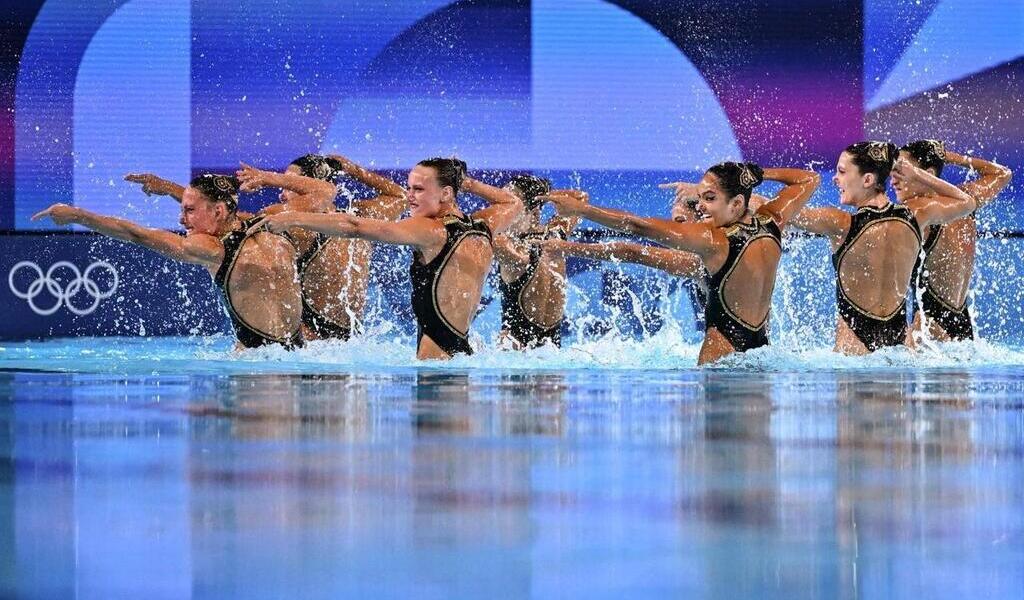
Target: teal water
x: 174, y: 468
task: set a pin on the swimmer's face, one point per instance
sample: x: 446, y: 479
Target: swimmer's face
x: 854, y: 186
x: 200, y: 215
x: 906, y: 189
x: 526, y: 219
x: 714, y: 205
x: 287, y: 196
x: 427, y: 197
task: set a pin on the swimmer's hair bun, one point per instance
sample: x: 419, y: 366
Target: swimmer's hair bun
x: 218, y: 188
x: 930, y: 154
x: 450, y: 171
x: 874, y: 157
x: 738, y: 178
x: 751, y: 175
x: 318, y: 166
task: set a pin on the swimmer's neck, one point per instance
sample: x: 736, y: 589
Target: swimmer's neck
x: 230, y: 225
x: 879, y: 200
x: 746, y: 218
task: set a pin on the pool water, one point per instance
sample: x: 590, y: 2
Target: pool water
x: 172, y: 467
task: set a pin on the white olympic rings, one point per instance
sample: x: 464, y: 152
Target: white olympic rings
x: 63, y: 292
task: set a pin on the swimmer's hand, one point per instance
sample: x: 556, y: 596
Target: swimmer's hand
x: 567, y: 205
x: 251, y: 178
x: 276, y: 223
x: 151, y: 184
x: 902, y: 170
x: 60, y: 214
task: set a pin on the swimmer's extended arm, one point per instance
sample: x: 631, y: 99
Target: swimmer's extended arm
x: 992, y: 177
x: 830, y: 222
x: 946, y: 202
x: 567, y: 224
x: 693, y: 237
x: 199, y: 249
x: 420, y: 232
x: 383, y: 185
x: 673, y: 262
x: 508, y: 250
x: 313, y: 194
x: 383, y: 207
x: 151, y: 184
x: 800, y: 186
x: 503, y: 206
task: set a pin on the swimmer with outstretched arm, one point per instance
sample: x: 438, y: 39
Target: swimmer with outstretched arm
x: 334, y: 273
x: 875, y: 248
x: 255, y: 273
x: 944, y: 277
x: 452, y: 251
x: 739, y: 248
x: 532, y: 281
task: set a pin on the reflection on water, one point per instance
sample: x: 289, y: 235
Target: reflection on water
x: 717, y: 484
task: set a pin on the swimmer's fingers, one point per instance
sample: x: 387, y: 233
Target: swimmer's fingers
x: 146, y: 179
x: 61, y: 214
x: 42, y: 214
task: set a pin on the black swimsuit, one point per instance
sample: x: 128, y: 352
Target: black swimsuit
x: 956, y: 322
x: 425, y: 277
x: 742, y: 335
x: 872, y: 330
x: 514, y: 319
x: 247, y: 335
x: 316, y: 321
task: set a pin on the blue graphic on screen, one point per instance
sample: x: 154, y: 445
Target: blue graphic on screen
x: 616, y: 87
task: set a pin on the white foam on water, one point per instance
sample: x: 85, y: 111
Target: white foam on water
x: 665, y: 350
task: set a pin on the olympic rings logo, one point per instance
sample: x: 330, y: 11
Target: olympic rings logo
x: 63, y: 291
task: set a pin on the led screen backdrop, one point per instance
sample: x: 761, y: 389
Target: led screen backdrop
x: 93, y: 90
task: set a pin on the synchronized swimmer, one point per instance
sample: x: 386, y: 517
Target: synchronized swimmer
x: 299, y: 269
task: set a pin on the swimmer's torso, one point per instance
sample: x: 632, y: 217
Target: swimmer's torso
x: 533, y: 296
x: 446, y: 288
x: 944, y: 279
x: 260, y: 286
x: 334, y: 273
x: 874, y: 263
x: 739, y: 293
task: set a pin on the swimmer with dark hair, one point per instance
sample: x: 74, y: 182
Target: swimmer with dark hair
x: 532, y: 281
x: 739, y: 248
x: 452, y: 251
x: 944, y: 277
x: 334, y: 273
x: 875, y: 248
x: 255, y: 272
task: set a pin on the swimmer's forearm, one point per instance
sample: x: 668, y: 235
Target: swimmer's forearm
x: 300, y: 184
x: 800, y: 186
x: 669, y: 233
x: 993, y: 177
x: 492, y: 195
x: 333, y: 224
x: 954, y: 196
x: 165, y: 242
x: 368, y: 178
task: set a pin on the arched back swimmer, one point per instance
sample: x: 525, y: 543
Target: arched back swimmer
x: 874, y: 249
x: 255, y: 271
x: 943, y: 277
x: 451, y: 250
x: 739, y: 248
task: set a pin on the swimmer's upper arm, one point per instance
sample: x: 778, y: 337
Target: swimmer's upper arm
x: 800, y: 186
x: 503, y: 207
x: 935, y: 210
x: 830, y: 222
x: 202, y: 250
x: 987, y: 187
